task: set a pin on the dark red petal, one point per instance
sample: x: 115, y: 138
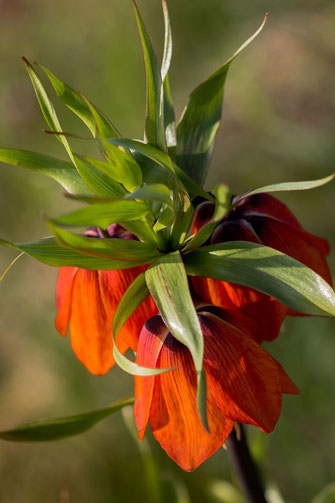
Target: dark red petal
x: 287, y: 385
x: 234, y: 230
x: 243, y: 378
x: 264, y: 205
x: 152, y: 337
x: 203, y: 215
x: 266, y: 313
x: 88, y: 308
x: 174, y: 419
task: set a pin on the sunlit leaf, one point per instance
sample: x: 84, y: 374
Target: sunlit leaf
x: 286, y: 187
x: 97, y: 180
x: 167, y: 282
x: 163, y: 160
x: 154, y: 125
x: 169, y: 115
x: 62, y: 171
x: 77, y: 104
x: 104, y: 214
x: 125, y: 250
x: 56, y: 429
x: 49, y: 252
x: 46, y: 105
x: 266, y: 270
x: 198, y: 125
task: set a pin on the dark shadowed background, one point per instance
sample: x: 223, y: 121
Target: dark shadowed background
x: 278, y: 125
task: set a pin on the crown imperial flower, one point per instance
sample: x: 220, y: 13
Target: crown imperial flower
x: 193, y: 281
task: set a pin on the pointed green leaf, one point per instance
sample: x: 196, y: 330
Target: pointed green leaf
x: 286, y: 187
x: 76, y: 103
x: 125, y: 250
x: 127, y: 171
x: 104, y: 214
x: 154, y: 192
x: 198, y: 125
x: 154, y: 125
x: 266, y: 270
x: 49, y: 252
x: 63, y: 172
x: 168, y: 284
x: 98, y: 181
x: 46, y: 105
x: 165, y: 161
x: 222, y: 200
x: 136, y: 293
x: 169, y: 115
x: 56, y: 429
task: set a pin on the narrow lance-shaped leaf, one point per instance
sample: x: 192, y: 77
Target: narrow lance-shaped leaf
x: 56, y: 429
x: 166, y: 162
x: 104, y: 214
x: 266, y: 270
x: 97, y: 180
x: 286, y: 187
x: 46, y: 105
x: 62, y: 171
x: 125, y: 250
x: 154, y: 124
x: 76, y: 102
x: 167, y: 282
x: 49, y: 252
x: 198, y: 125
x: 136, y: 293
x: 169, y: 115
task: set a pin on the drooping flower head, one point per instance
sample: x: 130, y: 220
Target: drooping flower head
x: 193, y: 281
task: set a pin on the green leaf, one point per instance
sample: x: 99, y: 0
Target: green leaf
x: 165, y: 161
x: 104, y: 214
x: 49, y: 252
x: 286, y: 187
x: 100, y: 183
x: 154, y: 125
x: 77, y: 103
x: 46, y: 105
x: 168, y: 284
x: 200, y: 120
x: 222, y: 200
x: 56, y: 429
x: 266, y: 270
x: 127, y: 170
x: 125, y: 250
x: 136, y: 293
x: 169, y: 115
x: 63, y: 172
x: 154, y: 192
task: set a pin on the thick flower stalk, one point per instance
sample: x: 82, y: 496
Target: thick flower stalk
x: 192, y: 281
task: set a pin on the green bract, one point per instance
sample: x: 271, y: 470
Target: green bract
x: 147, y: 187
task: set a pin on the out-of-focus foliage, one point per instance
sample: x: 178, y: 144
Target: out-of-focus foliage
x: 278, y: 125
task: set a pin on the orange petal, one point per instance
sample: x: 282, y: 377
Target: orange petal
x: 152, y: 338
x: 266, y: 313
x: 64, y: 283
x: 173, y: 417
x: 243, y: 378
x: 89, y: 308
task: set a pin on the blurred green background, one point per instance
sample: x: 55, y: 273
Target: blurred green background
x: 278, y: 124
